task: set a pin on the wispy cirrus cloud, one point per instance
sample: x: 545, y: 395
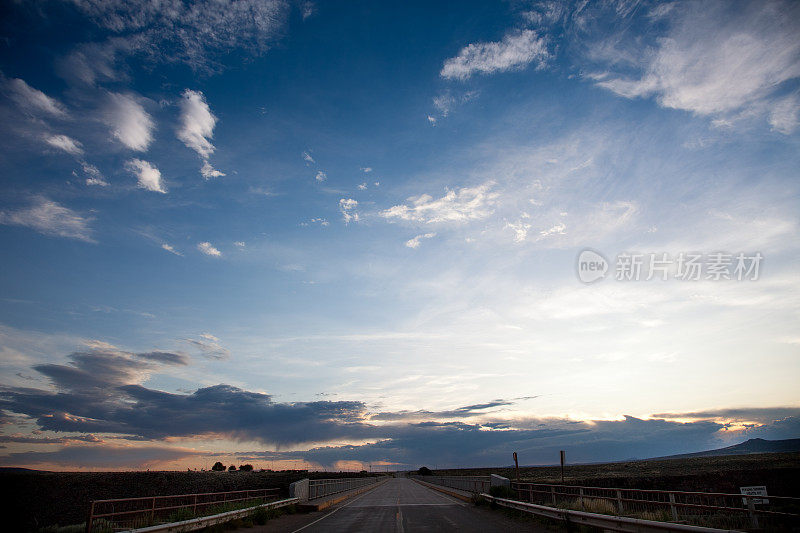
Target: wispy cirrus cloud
x: 65, y: 143
x: 514, y: 51
x: 414, y: 242
x: 457, y: 206
x: 34, y: 100
x: 171, y: 249
x: 50, y: 218
x: 720, y: 61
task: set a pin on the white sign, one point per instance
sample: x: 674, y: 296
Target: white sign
x: 759, y: 490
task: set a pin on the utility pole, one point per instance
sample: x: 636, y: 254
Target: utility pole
x: 516, y: 465
x: 563, y: 454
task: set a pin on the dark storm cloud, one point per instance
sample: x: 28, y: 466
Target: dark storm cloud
x: 760, y: 414
x: 26, y: 439
x: 165, y: 357
x: 99, y: 391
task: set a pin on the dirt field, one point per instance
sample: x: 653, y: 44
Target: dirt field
x: 780, y: 472
x: 40, y: 499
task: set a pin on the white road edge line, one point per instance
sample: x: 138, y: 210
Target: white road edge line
x: 446, y: 496
x: 335, y: 510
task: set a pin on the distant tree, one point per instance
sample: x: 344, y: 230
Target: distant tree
x: 246, y: 468
x: 218, y: 467
x: 232, y: 468
x: 424, y: 471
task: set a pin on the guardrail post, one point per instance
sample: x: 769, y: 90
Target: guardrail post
x: 672, y: 507
x: 580, y: 499
x: 553, y: 494
x: 153, y: 510
x: 90, y: 518
x: 619, y: 501
x: 194, y: 511
x: 751, y: 509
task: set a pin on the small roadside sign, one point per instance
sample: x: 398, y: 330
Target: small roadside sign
x: 758, y: 490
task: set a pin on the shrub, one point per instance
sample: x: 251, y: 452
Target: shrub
x: 246, y: 468
x: 232, y: 468
x: 218, y: 467
x: 424, y: 471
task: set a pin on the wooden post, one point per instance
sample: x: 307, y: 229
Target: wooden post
x: 563, y: 453
x: 153, y: 511
x: 619, y: 501
x: 581, y: 499
x: 553, y: 494
x: 672, y: 507
x: 516, y: 465
x: 751, y: 508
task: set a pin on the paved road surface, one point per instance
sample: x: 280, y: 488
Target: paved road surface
x: 399, y: 505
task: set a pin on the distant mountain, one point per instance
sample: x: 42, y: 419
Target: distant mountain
x: 745, y: 448
x: 17, y: 469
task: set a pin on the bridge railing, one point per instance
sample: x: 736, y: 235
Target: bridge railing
x: 474, y: 484
x: 708, y: 509
x: 130, y: 513
x: 319, y: 488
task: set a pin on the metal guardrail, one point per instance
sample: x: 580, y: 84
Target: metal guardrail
x: 475, y: 484
x: 205, y: 521
x: 707, y: 509
x: 129, y: 513
x: 319, y: 488
x: 605, y: 522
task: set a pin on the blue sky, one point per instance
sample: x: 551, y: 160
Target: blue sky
x: 343, y: 233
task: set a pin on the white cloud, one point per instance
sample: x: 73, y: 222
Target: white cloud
x: 784, y: 115
x: 209, y: 346
x: 240, y: 244
x: 462, y: 205
x: 558, y: 229
x: 65, y: 143
x: 194, y: 33
x: 208, y: 249
x: 93, y: 175
x: 170, y: 249
x: 197, y: 129
x: 447, y: 101
x: 33, y: 99
x: 721, y: 61
x: 208, y: 172
x: 308, y: 9
x: 431, y: 120
x: 321, y: 221
x: 414, y: 242
x: 366, y: 169
x: 513, y: 52
x: 321, y: 176
x: 129, y: 122
x: 520, y: 230
x: 347, y: 207
x: 50, y: 218
x: 197, y: 123
x: 149, y: 176
x: 307, y: 157
x: 362, y: 187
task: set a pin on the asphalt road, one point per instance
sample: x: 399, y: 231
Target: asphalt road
x: 400, y: 505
